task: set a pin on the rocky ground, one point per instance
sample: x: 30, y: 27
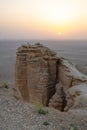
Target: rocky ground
x: 38, y: 72
x: 17, y: 115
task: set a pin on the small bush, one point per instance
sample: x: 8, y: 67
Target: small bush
x: 73, y: 127
x: 4, y: 85
x: 41, y: 110
x: 46, y: 123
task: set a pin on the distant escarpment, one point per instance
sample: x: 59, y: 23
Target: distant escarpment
x: 43, y: 77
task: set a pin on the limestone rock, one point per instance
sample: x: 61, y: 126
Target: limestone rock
x: 69, y: 75
x: 58, y: 100
x: 42, y: 77
x: 77, y: 97
x: 36, y: 73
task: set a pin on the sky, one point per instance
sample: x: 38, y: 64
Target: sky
x: 43, y: 19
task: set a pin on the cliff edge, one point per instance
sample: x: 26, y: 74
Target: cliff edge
x: 43, y: 77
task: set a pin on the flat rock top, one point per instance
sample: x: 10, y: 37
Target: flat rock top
x: 17, y: 115
x: 36, y: 48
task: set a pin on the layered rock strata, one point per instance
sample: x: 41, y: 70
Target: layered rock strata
x: 36, y: 67
x: 42, y: 77
x: 68, y: 77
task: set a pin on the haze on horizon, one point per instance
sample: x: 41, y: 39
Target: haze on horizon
x: 43, y: 19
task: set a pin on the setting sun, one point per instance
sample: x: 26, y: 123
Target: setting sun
x: 59, y: 33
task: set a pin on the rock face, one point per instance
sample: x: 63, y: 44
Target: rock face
x: 36, y: 67
x: 58, y: 100
x: 42, y: 77
x: 68, y: 77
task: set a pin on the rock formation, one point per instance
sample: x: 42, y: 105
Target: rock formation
x: 36, y: 67
x: 42, y: 77
x: 68, y: 77
x: 58, y: 100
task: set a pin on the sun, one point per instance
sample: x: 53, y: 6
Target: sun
x: 59, y: 33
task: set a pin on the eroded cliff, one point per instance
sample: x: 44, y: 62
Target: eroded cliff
x: 36, y: 67
x: 42, y: 77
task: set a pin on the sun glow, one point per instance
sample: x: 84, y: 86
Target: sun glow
x: 43, y: 18
x: 61, y: 15
x: 58, y: 17
x: 59, y: 33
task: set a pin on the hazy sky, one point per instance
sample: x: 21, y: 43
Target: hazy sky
x: 43, y: 19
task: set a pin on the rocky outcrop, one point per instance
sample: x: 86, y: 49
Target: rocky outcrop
x: 42, y: 77
x: 69, y: 75
x: 68, y: 78
x: 36, y: 67
x: 77, y: 97
x: 58, y: 100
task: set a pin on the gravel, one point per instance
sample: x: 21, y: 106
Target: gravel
x: 18, y: 115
